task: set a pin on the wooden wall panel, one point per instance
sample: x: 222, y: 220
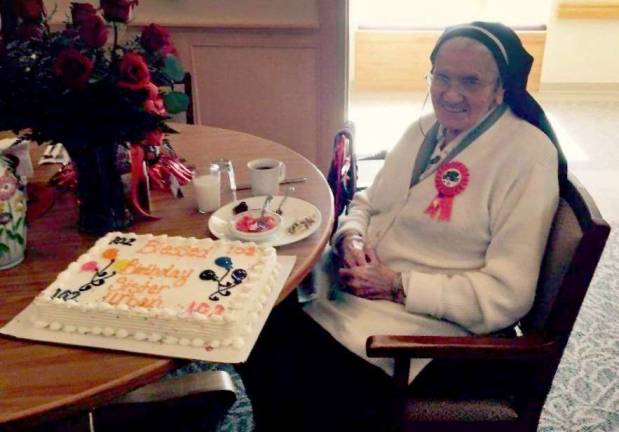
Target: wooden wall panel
x: 596, y: 10
x: 392, y: 60
x: 399, y: 60
x: 535, y: 43
x: 297, y: 87
x: 267, y: 91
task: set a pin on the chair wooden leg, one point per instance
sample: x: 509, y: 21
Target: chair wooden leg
x: 398, y: 408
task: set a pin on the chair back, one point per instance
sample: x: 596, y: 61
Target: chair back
x: 575, y: 244
x: 342, y: 175
x: 500, y: 382
x: 187, y: 84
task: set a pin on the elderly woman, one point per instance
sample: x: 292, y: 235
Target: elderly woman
x: 448, y: 240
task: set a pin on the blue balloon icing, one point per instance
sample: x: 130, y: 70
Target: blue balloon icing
x: 224, y: 262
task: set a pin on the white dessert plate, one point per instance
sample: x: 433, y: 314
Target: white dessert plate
x: 248, y: 220
x: 293, y: 210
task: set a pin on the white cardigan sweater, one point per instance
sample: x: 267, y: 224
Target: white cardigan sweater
x: 475, y: 273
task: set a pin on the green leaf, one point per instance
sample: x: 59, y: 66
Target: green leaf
x: 3, y: 249
x: 18, y: 238
x: 15, y: 236
x: 19, y: 222
x: 173, y: 69
x: 175, y: 102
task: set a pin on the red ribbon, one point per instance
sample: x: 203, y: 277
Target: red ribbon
x: 167, y: 166
x: 138, y: 178
x: 159, y: 173
x: 450, y: 180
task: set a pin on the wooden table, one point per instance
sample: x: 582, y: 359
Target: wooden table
x: 40, y: 381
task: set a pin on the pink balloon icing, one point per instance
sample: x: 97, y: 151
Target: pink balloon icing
x: 89, y: 266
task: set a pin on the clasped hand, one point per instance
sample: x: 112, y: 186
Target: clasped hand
x: 362, y: 273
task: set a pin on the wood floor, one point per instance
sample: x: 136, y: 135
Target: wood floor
x: 587, y: 125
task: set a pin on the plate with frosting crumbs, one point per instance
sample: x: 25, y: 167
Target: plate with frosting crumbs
x: 300, y: 219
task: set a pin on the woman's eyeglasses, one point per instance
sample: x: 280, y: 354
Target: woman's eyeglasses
x: 468, y: 85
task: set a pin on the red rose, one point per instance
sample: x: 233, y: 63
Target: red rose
x: 156, y: 38
x: 30, y: 10
x: 153, y: 90
x: 73, y: 68
x: 70, y: 33
x: 117, y: 10
x: 154, y: 104
x: 81, y: 11
x: 134, y: 72
x: 153, y: 138
x: 93, y: 31
x: 28, y: 31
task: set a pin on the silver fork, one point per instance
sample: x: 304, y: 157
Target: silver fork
x: 281, y: 203
x: 260, y: 222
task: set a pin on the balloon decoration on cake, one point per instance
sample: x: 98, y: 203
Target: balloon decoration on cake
x: 223, y: 287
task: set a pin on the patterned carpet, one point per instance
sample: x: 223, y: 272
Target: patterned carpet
x: 585, y: 392
x: 239, y: 417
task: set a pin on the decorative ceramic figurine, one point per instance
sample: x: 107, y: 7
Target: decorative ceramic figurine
x: 12, y: 212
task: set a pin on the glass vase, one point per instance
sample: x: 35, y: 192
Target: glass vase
x: 99, y: 189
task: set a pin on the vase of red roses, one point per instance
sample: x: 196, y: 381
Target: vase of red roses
x: 99, y: 97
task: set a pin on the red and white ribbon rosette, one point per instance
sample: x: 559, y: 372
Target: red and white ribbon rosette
x: 450, y: 180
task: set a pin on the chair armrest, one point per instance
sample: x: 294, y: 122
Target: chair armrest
x: 381, y: 155
x: 192, y: 385
x: 190, y: 402
x: 463, y: 347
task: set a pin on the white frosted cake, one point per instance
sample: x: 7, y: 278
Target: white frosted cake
x: 173, y: 290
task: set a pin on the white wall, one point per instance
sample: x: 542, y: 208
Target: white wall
x: 581, y: 51
x: 220, y: 13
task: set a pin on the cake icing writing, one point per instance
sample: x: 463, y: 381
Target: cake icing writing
x: 161, y: 289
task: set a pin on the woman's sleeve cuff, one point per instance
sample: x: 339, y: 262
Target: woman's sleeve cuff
x: 423, y: 293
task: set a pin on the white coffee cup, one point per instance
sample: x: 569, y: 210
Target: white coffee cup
x: 265, y: 176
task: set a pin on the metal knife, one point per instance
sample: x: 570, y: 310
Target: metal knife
x: 285, y: 181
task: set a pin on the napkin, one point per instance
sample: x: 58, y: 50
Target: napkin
x: 54, y: 153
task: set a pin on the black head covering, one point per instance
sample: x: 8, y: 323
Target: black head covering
x: 514, y: 63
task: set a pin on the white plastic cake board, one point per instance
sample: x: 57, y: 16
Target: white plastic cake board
x: 20, y: 327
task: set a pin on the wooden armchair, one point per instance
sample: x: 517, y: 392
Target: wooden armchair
x: 342, y: 176
x: 188, y: 89
x: 196, y: 401
x: 516, y: 370
x: 185, y: 86
x: 192, y: 402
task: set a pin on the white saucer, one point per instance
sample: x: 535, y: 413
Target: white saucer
x: 294, y: 209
